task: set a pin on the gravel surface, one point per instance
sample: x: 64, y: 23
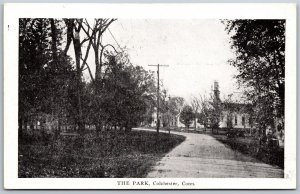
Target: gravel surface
x: 202, y: 156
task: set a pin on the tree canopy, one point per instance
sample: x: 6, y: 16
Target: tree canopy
x: 259, y: 46
x: 44, y: 73
x: 187, y: 116
x: 51, y: 82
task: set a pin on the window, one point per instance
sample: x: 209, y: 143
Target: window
x: 235, y: 119
x: 243, y: 121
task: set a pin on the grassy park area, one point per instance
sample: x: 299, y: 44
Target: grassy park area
x: 250, y: 146
x: 105, y: 155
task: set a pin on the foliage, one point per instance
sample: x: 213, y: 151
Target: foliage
x: 126, y: 95
x: 44, y: 74
x: 120, y: 94
x: 187, y: 116
x: 170, y: 108
x: 210, y: 112
x: 33, y: 55
x: 196, y: 105
x: 176, y: 105
x: 259, y: 46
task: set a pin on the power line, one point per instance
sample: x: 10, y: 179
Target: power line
x: 121, y: 25
x: 114, y: 39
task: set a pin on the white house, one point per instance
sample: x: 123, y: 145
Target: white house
x: 173, y: 122
x: 236, y: 118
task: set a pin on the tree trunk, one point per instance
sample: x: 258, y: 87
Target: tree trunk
x: 54, y: 40
x: 97, y: 64
x: 281, y: 97
x: 25, y: 124
x: 77, y: 49
x: 54, y: 63
x: 98, y: 127
x: 20, y: 127
x: 97, y: 74
x: 57, y: 131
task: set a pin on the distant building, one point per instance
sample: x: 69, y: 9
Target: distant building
x: 233, y: 114
x: 240, y: 116
x: 154, y: 120
x: 173, y: 121
x: 176, y: 121
x: 236, y: 115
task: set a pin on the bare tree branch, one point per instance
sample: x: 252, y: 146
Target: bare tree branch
x: 86, y: 55
x: 84, y: 40
x: 90, y: 72
x: 107, y: 45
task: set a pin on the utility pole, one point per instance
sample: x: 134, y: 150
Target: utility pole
x: 157, y: 114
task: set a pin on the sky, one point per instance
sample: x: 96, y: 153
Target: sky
x: 197, y: 52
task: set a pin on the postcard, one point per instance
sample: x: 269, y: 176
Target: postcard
x: 150, y: 96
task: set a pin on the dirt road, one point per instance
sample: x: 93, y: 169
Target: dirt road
x: 202, y: 156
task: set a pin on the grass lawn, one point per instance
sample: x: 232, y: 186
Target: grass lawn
x: 250, y: 146
x: 108, y: 155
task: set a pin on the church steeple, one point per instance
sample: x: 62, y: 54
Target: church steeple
x: 216, y: 91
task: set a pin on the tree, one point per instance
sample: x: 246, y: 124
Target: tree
x: 195, y: 104
x: 210, y: 112
x: 93, y: 39
x: 94, y: 33
x: 44, y: 74
x: 176, y: 105
x: 170, y: 107
x: 259, y: 46
x: 228, y: 105
x: 187, y: 116
x: 127, y: 91
x: 32, y: 58
x: 74, y: 28
x: 147, y: 89
x: 164, y: 108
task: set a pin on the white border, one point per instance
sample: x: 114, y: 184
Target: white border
x: 12, y: 12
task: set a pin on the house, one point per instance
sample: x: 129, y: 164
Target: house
x: 233, y: 114
x: 176, y: 121
x: 236, y: 115
x: 154, y: 120
x: 172, y: 121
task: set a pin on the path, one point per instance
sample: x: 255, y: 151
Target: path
x: 202, y: 156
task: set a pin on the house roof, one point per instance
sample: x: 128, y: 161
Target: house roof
x: 233, y: 106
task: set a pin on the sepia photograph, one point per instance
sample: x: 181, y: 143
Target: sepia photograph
x: 151, y: 98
